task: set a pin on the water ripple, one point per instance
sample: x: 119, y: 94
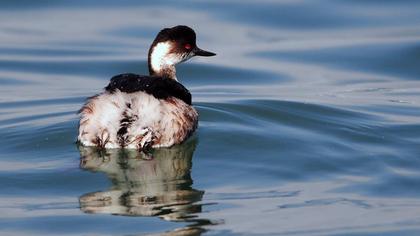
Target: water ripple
x: 308, y: 119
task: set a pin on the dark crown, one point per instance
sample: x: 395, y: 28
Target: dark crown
x: 180, y: 33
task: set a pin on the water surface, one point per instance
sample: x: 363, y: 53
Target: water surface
x: 309, y: 120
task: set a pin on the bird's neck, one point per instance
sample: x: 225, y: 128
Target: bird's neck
x: 160, y: 64
x: 166, y: 72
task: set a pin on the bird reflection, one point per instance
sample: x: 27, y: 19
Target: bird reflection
x: 155, y: 184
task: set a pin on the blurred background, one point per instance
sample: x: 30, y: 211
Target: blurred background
x: 309, y: 119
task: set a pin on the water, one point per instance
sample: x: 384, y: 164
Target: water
x: 309, y: 120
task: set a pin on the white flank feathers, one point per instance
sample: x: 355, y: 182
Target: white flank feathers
x: 165, y: 122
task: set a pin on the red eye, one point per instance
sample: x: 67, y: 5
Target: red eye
x: 187, y: 46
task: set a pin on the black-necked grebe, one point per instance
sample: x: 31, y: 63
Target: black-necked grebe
x: 137, y: 111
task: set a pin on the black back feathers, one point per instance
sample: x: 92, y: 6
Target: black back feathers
x: 159, y: 87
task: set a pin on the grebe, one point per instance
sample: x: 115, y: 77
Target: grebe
x: 142, y: 112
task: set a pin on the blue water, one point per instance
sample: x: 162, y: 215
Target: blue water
x: 309, y: 119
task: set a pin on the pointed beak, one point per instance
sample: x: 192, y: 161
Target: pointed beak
x: 201, y: 52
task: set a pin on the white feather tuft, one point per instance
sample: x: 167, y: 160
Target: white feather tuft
x: 168, y: 121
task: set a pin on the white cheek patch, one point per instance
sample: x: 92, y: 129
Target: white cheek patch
x: 161, y: 56
x: 158, y: 54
